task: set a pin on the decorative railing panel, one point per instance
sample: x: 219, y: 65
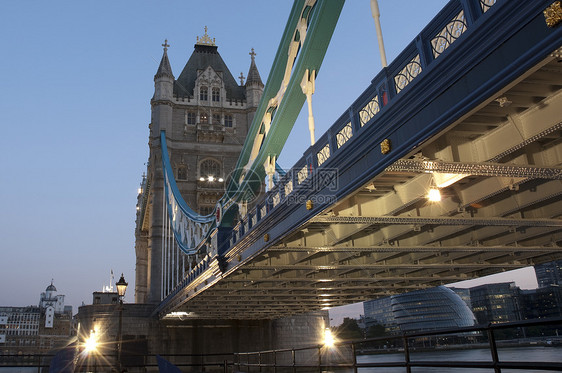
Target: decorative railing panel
x: 408, y: 73
x: 254, y: 220
x: 323, y: 155
x: 448, y: 34
x: 289, y: 187
x: 486, y: 4
x: 276, y: 199
x: 344, y: 135
x: 369, y: 111
x: 302, y: 174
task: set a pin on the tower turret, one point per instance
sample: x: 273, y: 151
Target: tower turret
x: 163, y: 94
x: 254, y: 85
x: 211, y: 117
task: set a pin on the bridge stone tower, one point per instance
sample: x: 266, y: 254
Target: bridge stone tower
x: 206, y: 115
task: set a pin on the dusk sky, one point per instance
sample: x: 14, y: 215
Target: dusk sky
x: 76, y: 83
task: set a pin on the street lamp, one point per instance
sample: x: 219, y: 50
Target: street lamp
x: 121, y: 288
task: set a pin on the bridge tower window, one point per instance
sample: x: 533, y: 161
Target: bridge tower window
x: 203, y: 118
x: 216, y: 94
x: 209, y: 168
x: 228, y: 120
x: 190, y: 117
x: 203, y: 93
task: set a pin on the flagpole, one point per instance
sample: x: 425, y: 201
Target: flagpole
x: 376, y: 16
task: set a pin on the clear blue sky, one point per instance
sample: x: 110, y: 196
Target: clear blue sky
x: 75, y: 84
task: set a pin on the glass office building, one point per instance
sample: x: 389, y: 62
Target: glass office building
x: 549, y: 273
x: 430, y: 309
x: 422, y: 310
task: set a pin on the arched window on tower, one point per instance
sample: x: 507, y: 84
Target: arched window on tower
x: 209, y: 169
x: 203, y: 117
x: 203, y: 93
x: 216, y: 94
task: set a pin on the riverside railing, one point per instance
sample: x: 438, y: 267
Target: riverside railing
x: 133, y: 362
x: 342, y: 357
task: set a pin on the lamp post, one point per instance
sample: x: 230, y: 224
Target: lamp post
x: 121, y: 288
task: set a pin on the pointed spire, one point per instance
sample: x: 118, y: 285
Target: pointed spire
x: 164, y: 69
x: 253, y: 74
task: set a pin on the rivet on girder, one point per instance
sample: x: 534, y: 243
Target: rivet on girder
x: 309, y: 205
x: 266, y: 237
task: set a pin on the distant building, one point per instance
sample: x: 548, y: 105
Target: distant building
x: 105, y: 297
x: 19, y: 330
x: 430, y: 309
x: 489, y: 303
x: 464, y: 294
x: 549, y: 273
x: 542, y: 302
x: 36, y: 330
x: 379, y: 311
x: 422, y: 310
x: 495, y: 303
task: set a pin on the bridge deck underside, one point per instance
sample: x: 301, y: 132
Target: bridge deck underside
x: 501, y: 211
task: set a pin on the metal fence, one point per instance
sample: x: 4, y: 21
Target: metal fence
x: 342, y: 357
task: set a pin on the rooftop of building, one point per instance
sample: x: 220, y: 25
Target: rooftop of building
x: 206, y: 54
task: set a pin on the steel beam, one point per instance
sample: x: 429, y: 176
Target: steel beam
x: 404, y: 249
x: 477, y: 169
x: 419, y: 220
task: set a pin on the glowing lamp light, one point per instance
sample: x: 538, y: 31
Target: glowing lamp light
x: 91, y: 344
x: 201, y: 178
x: 139, y: 190
x: 329, y: 339
x: 221, y: 179
x: 121, y: 286
x: 434, y: 195
x: 211, y: 178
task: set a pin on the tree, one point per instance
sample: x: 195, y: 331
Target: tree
x: 349, y: 330
x: 376, y: 330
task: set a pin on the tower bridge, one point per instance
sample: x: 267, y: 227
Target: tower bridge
x: 471, y: 109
